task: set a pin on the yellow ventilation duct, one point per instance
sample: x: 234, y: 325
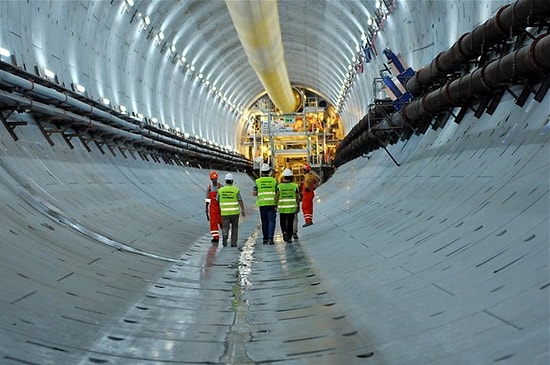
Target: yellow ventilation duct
x: 257, y: 24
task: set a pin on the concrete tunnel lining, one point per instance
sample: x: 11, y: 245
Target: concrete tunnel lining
x: 444, y: 258
x: 107, y: 259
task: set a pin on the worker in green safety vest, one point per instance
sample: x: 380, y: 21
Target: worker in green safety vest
x: 264, y: 191
x: 288, y: 199
x: 231, y: 205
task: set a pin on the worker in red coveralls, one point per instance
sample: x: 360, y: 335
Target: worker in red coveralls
x: 308, y: 186
x: 213, y: 213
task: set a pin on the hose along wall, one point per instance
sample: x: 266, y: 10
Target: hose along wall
x: 19, y: 93
x: 510, y: 20
x: 530, y: 62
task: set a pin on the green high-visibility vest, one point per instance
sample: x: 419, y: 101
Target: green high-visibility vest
x: 266, y: 191
x: 287, y: 198
x: 229, y: 204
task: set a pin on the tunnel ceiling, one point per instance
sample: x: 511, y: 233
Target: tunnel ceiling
x: 182, y: 62
x: 321, y: 42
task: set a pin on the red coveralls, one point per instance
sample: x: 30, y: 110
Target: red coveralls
x: 214, y: 211
x: 308, y: 187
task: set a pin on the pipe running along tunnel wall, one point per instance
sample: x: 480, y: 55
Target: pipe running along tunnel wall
x: 509, y: 21
x: 529, y: 63
x: 21, y: 92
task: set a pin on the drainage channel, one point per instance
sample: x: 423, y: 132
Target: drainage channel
x: 239, y: 334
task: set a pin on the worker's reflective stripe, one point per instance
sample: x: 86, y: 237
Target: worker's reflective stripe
x: 230, y: 208
x: 266, y: 194
x: 286, y: 205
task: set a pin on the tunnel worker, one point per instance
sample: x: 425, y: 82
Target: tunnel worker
x: 309, y: 183
x: 231, y: 205
x: 212, y: 208
x: 264, y: 191
x: 288, y: 201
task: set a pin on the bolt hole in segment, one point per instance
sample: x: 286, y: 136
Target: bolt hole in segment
x: 284, y: 312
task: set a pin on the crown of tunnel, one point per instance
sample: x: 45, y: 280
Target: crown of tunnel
x: 257, y: 25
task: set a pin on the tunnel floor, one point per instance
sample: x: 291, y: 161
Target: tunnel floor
x: 255, y: 304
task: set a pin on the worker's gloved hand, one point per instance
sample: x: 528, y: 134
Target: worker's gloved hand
x: 207, y: 217
x: 242, y: 212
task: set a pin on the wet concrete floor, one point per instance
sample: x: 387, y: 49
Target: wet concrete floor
x: 256, y: 304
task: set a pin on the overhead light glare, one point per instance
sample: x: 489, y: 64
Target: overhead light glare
x: 49, y: 73
x: 147, y: 20
x: 4, y: 52
x: 130, y: 2
x: 79, y: 88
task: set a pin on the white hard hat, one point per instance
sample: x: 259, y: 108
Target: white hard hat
x: 287, y: 173
x: 229, y: 177
x: 265, y: 167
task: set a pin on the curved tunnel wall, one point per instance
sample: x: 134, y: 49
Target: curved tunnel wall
x: 442, y: 259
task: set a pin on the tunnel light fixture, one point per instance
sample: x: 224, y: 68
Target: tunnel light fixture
x: 154, y: 120
x: 161, y: 35
x: 130, y: 2
x: 122, y: 108
x: 173, y: 48
x: 105, y: 101
x: 140, y: 116
x: 49, y: 73
x: 147, y: 20
x: 78, y: 88
x: 4, y: 52
x: 183, y: 59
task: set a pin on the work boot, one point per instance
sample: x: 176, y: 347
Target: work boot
x: 295, y: 236
x: 225, y: 242
x: 307, y: 224
x: 265, y: 242
x: 270, y: 241
x: 285, y: 238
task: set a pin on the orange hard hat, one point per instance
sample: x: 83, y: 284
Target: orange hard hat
x: 213, y: 175
x: 307, y: 167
